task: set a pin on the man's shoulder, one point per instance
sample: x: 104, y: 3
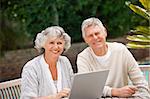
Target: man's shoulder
x: 116, y: 46
x: 85, y: 52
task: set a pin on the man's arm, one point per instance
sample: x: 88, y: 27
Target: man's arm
x: 136, y: 76
x: 82, y: 64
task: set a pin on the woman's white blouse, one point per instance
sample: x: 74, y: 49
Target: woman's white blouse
x: 37, y: 79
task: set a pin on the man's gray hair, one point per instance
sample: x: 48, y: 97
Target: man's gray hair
x: 53, y: 31
x: 92, y: 21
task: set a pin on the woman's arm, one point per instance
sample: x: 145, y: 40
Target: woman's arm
x: 64, y: 93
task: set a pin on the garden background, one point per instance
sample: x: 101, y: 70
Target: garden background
x: 21, y: 20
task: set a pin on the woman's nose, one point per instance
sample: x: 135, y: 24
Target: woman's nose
x: 56, y: 45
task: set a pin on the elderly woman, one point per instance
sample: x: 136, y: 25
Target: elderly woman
x: 49, y: 75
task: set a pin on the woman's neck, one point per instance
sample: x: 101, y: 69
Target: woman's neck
x: 52, y: 62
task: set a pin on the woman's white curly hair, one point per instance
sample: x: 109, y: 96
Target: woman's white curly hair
x: 91, y: 21
x: 53, y: 31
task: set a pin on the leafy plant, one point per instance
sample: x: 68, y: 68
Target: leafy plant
x: 12, y: 35
x: 140, y: 36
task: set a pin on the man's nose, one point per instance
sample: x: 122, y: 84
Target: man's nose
x: 94, y: 36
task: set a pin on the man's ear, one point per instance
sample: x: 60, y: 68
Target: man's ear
x: 105, y: 32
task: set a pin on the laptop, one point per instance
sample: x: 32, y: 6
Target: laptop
x: 88, y: 85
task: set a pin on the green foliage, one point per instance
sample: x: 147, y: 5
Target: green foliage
x: 10, y: 35
x: 141, y: 34
x: 116, y: 17
x: 39, y: 14
x: 32, y: 16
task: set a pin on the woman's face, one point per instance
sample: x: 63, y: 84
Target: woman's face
x: 54, y: 46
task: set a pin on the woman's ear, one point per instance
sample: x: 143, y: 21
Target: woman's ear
x: 85, y: 40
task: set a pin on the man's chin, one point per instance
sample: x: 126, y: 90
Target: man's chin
x: 97, y: 47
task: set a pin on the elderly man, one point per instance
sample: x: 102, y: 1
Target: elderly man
x: 115, y: 57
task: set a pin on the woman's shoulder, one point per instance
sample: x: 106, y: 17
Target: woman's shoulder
x: 65, y: 62
x: 31, y: 63
x: 63, y: 58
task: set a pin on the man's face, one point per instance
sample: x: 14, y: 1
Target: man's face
x: 95, y: 37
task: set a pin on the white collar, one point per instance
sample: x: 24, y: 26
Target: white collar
x: 57, y: 88
x: 102, y: 59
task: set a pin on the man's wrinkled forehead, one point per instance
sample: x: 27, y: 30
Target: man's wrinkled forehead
x: 90, y: 24
x: 93, y: 26
x: 94, y: 29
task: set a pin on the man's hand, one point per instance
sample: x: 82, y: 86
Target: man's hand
x: 126, y: 91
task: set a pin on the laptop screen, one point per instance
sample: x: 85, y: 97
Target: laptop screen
x: 88, y: 85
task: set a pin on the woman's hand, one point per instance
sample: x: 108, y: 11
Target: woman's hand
x: 64, y: 93
x: 125, y: 91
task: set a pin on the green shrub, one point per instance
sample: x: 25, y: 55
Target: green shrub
x: 140, y: 36
x: 12, y: 36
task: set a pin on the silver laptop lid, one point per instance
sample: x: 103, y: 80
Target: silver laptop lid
x: 88, y: 85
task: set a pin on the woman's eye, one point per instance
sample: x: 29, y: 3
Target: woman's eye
x: 51, y: 42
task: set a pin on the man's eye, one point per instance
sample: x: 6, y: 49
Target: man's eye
x: 90, y: 35
x: 97, y: 33
x: 59, y: 43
